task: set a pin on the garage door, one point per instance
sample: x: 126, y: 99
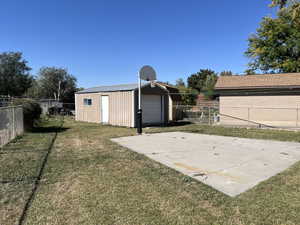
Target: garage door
x: 152, y: 109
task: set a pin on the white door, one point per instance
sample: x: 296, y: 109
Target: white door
x: 104, y: 109
x: 152, y: 107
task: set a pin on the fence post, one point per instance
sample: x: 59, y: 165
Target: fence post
x: 13, y: 121
x: 297, y: 116
x: 209, y: 122
x: 248, y: 116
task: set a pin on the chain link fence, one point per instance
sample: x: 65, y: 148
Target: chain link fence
x: 197, y: 114
x: 48, y: 106
x: 259, y: 117
x: 11, y: 123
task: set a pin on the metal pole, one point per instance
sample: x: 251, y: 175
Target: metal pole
x: 13, y: 122
x: 140, y: 107
x: 297, y: 116
x: 209, y: 116
x: 248, y: 116
x: 139, y: 112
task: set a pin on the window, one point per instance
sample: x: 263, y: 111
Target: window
x: 87, y: 101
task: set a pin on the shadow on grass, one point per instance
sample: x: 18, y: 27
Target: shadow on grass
x: 51, y: 129
x: 18, y: 151
x: 170, y: 124
x: 20, y: 180
x: 178, y: 123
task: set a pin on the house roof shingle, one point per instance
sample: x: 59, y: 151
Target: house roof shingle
x: 259, y: 81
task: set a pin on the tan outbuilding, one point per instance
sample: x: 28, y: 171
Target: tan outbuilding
x: 268, y: 99
x: 174, y: 99
x: 117, y: 105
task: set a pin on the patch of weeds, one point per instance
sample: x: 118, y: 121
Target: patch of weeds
x: 136, y: 156
x: 187, y: 179
x: 17, y: 139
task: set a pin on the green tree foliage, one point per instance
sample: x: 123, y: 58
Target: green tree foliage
x: 203, y: 81
x: 188, y: 95
x: 34, y: 90
x: 14, y: 74
x: 250, y: 72
x: 226, y: 73
x: 55, y: 83
x: 31, y: 111
x: 280, y: 3
x: 276, y: 45
x: 180, y: 83
x: 284, y: 3
x: 209, y: 85
x: 293, y: 5
x: 198, y: 81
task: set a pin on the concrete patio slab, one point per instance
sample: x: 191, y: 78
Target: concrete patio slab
x: 229, y: 164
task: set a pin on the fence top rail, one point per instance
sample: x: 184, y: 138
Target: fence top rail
x: 196, y: 105
x: 9, y: 107
x: 237, y: 107
x: 250, y: 121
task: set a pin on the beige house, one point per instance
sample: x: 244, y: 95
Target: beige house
x: 269, y: 99
x: 118, y: 104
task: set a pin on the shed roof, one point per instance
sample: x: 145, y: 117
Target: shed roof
x: 259, y: 81
x: 173, y: 90
x: 120, y: 87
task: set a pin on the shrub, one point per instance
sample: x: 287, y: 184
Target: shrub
x: 54, y: 110
x: 31, y: 111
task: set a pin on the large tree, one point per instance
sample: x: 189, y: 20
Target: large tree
x: 276, y: 45
x: 209, y: 85
x: 198, y: 81
x: 292, y: 4
x: 188, y: 95
x: 285, y: 3
x: 14, y: 74
x: 280, y: 3
x: 56, y: 83
x: 180, y: 83
x: 226, y: 73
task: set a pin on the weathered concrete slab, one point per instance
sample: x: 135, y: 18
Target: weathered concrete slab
x: 228, y: 164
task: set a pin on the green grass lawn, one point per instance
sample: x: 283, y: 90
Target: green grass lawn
x: 90, y: 180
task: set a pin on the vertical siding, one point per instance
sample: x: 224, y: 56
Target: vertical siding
x: 120, y: 108
x: 269, y: 110
x: 88, y: 113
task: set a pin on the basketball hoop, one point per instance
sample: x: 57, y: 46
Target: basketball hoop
x: 146, y: 73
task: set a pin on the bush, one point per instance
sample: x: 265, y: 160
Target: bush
x: 31, y: 111
x: 54, y: 110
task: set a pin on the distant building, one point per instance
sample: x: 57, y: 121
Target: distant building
x: 118, y: 104
x: 269, y: 99
x: 4, y: 100
x: 46, y: 104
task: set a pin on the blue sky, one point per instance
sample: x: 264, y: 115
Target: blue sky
x: 106, y: 42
